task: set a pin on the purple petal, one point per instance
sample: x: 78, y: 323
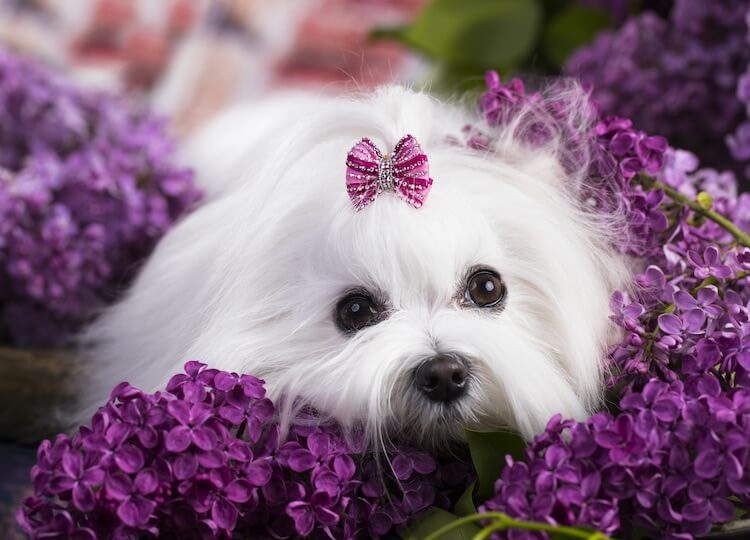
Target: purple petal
x: 707, y: 295
x: 193, y: 367
x: 695, y: 259
x: 239, y: 491
x: 667, y: 409
x: 679, y: 457
x: 402, y: 467
x: 59, y: 484
x: 199, y: 413
x: 695, y: 321
x: 380, y: 523
x: 318, y: 443
x: 608, y: 438
x: 146, y: 481
x: 695, y: 511
x: 721, y: 511
x: 83, y: 497
x: 194, y: 392
x: 684, y: 300
x: 178, y: 439
x: 129, y: 458
x: 301, y: 460
x: 302, y: 515
x: 225, y: 381
x: 232, y: 414
x: 345, y: 467
x: 72, y: 463
x: 711, y: 256
x: 118, y: 486
x: 204, y: 438
x: 670, y: 324
x: 423, y: 463
x: 148, y: 437
x: 135, y: 511
x: 590, y: 485
x: 83, y: 534
x: 180, y: 411
x: 743, y: 359
x: 707, y: 464
x: 555, y: 455
x: 326, y: 517
x: 185, y: 466
x: 722, y: 271
x: 258, y: 473
x: 328, y: 482
x: 211, y: 459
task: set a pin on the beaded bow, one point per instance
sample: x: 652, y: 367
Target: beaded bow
x: 369, y: 172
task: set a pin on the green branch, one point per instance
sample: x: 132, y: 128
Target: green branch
x: 502, y: 522
x: 741, y: 236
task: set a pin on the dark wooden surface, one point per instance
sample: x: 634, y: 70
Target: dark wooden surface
x: 35, y: 385
x: 15, y: 463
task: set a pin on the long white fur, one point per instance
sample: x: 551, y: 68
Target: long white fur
x: 249, y: 281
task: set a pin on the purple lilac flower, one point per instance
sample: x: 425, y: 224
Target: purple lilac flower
x: 685, y: 77
x: 87, y: 187
x: 178, y: 464
x: 709, y: 264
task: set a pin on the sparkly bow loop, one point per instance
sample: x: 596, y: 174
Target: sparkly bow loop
x: 369, y: 172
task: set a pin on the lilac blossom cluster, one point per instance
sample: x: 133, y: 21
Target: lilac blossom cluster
x: 685, y: 77
x: 87, y: 186
x: 205, y: 459
x: 673, y: 455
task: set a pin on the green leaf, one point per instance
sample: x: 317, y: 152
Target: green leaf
x: 705, y: 200
x: 434, y: 519
x: 474, y: 35
x: 465, y: 503
x: 570, y: 28
x: 488, y: 451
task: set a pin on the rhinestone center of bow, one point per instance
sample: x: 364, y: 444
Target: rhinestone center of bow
x: 385, y: 174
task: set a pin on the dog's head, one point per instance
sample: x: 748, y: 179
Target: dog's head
x: 485, y: 308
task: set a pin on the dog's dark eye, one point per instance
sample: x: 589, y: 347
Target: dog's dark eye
x: 356, y: 311
x: 485, y: 289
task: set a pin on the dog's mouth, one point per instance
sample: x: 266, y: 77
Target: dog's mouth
x: 442, y: 397
x: 433, y: 404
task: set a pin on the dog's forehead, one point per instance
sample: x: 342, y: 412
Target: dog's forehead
x: 390, y: 244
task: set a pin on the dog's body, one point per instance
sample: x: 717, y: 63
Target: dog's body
x: 252, y: 280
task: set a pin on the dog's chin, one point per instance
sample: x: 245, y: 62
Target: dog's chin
x: 433, y: 426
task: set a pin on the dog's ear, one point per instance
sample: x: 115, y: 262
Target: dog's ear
x: 539, y: 165
x: 143, y: 338
x: 552, y: 137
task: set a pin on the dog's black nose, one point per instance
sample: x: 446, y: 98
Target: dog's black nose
x: 442, y: 378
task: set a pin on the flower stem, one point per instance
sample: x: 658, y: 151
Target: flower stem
x: 503, y: 521
x: 741, y: 236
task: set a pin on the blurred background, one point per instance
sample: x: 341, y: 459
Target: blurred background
x: 191, y: 58
x: 674, y: 66
x: 678, y: 68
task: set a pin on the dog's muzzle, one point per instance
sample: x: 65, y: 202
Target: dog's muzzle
x: 443, y: 378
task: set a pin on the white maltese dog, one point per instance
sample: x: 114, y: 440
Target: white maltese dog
x: 360, y: 261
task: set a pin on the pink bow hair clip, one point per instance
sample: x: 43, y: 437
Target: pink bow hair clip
x: 369, y: 173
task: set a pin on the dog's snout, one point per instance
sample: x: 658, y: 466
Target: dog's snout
x: 442, y: 378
